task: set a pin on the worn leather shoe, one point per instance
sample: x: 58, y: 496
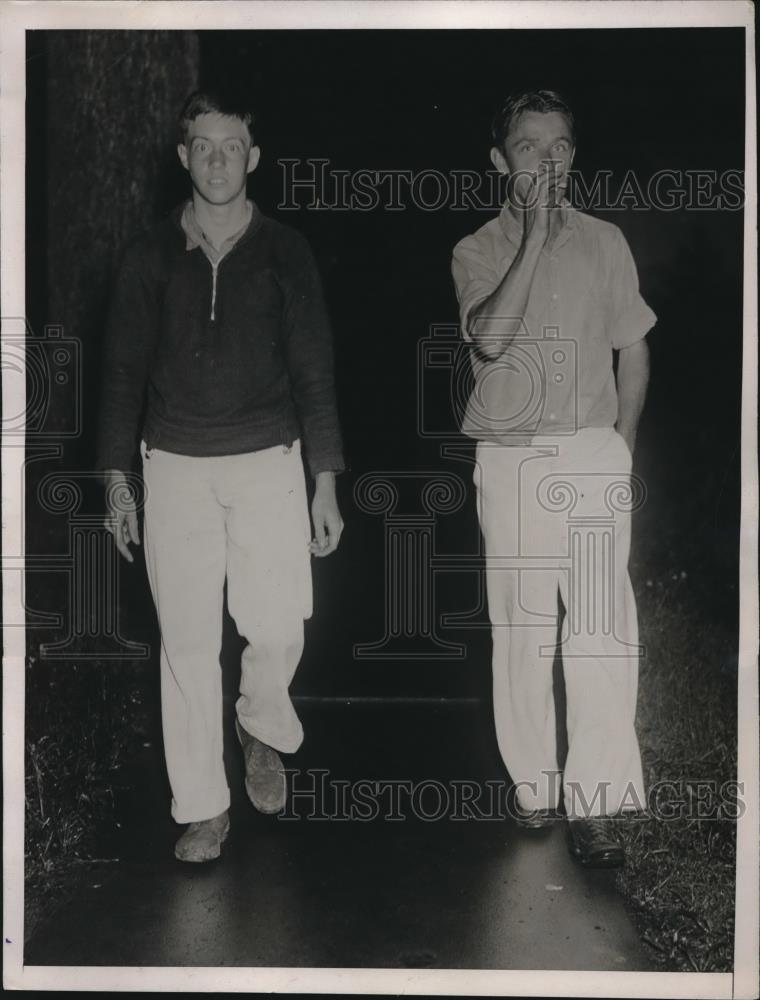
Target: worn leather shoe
x: 538, y: 819
x: 202, y: 841
x: 264, y: 775
x: 591, y: 844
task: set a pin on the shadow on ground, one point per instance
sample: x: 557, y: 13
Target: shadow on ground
x: 330, y: 892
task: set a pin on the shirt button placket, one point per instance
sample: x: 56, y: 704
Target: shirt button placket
x: 554, y: 315
x: 554, y: 295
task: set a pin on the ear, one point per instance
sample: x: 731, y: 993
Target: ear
x: 254, y: 154
x: 497, y: 158
x: 182, y: 154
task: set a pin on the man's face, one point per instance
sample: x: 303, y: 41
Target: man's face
x: 534, y: 139
x: 219, y: 156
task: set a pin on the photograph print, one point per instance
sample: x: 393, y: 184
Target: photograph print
x: 382, y: 575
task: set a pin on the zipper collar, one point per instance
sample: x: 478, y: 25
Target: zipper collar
x: 190, y: 231
x: 184, y: 217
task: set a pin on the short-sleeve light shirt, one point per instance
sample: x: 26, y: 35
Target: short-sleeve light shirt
x: 556, y: 376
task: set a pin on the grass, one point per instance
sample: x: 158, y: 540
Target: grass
x: 680, y: 872
x: 83, y: 722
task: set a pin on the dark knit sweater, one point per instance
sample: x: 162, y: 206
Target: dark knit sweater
x: 234, y: 368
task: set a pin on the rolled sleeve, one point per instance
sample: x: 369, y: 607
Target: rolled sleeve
x: 475, y: 278
x: 631, y: 318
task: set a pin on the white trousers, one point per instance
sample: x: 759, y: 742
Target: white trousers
x: 556, y: 516
x: 243, y: 517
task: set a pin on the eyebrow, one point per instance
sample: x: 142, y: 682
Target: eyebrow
x: 227, y: 138
x: 535, y: 138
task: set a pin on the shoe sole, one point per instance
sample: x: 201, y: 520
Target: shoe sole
x: 612, y: 861
x: 257, y: 803
x: 539, y: 819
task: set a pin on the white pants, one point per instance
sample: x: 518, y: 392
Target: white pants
x: 556, y: 516
x: 244, y: 517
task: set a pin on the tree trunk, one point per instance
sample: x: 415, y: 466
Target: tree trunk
x: 112, y: 103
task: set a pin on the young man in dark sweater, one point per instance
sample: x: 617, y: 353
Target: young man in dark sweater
x: 218, y: 334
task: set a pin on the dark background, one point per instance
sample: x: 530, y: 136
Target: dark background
x: 100, y: 167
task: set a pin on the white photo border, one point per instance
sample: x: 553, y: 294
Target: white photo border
x: 15, y: 20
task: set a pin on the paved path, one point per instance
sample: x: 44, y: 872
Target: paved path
x: 324, y: 893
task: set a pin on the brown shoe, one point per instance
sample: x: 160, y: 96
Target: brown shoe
x: 264, y: 773
x: 591, y: 844
x: 203, y: 841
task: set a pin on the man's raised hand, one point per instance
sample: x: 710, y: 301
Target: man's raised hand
x: 536, y: 201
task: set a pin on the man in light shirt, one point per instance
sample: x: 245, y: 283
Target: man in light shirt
x: 548, y: 295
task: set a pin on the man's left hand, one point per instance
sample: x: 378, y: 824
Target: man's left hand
x: 328, y: 524
x: 632, y: 379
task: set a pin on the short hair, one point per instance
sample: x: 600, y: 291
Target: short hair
x: 204, y: 102
x: 543, y: 101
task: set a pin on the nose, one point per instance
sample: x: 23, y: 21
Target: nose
x: 217, y: 157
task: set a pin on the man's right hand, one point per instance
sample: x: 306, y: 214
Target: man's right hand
x: 121, y: 520
x: 534, y: 195
x: 494, y: 323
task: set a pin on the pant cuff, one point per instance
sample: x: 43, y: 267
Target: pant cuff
x: 196, y: 812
